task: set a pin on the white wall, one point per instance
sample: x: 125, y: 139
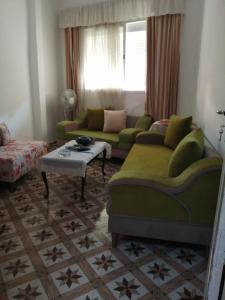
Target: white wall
x: 44, y: 66
x: 190, y: 55
x: 51, y: 64
x: 211, y: 80
x: 29, y: 68
x: 15, y: 94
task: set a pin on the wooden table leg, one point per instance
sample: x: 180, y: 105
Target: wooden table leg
x: 103, y: 162
x: 115, y: 238
x: 46, y: 184
x: 83, y: 179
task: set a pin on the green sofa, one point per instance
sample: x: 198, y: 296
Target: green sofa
x: 145, y: 201
x: 121, y: 142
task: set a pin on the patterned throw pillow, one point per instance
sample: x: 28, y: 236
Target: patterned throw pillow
x: 159, y: 126
x: 4, y: 134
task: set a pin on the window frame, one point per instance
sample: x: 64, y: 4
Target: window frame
x: 124, y: 31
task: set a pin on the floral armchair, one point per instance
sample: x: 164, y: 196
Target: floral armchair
x: 17, y: 157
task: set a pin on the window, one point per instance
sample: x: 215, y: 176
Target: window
x: 113, y: 57
x: 135, y: 56
x: 101, y: 64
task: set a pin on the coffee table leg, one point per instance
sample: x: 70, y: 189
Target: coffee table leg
x: 46, y: 184
x: 83, y: 179
x: 103, y: 162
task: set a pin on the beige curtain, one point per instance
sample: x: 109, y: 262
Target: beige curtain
x: 163, y: 59
x: 72, y: 61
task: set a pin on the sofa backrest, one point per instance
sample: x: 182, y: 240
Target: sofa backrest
x: 131, y: 121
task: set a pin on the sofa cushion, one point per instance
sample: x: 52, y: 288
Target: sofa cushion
x: 189, y: 150
x: 5, y: 136
x: 18, y: 157
x: 143, y: 122
x: 111, y: 138
x: 114, y: 120
x: 159, y: 126
x: 154, y: 158
x: 177, y: 129
x: 95, y: 119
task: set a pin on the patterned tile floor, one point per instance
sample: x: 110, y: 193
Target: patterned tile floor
x: 64, y: 251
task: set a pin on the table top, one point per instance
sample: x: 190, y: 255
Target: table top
x: 75, y: 163
x: 78, y: 156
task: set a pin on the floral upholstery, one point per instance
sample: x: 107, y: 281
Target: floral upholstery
x: 18, y: 157
x: 5, y: 135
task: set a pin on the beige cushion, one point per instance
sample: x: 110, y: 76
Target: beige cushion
x: 114, y: 120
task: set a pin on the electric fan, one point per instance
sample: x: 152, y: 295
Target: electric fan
x: 68, y: 99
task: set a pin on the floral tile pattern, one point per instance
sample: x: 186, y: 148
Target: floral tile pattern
x: 7, y: 228
x: 104, y: 263
x: 15, y: 268
x: 72, y: 226
x: 45, y: 234
x: 4, y: 215
x: 159, y: 271
x: 134, y: 250
x: 28, y: 291
x: 26, y: 208
x: 127, y: 287
x: 86, y: 206
x: 20, y: 199
x: 11, y: 245
x: 186, y: 292
x: 61, y: 213
x: 186, y: 257
x: 54, y: 254
x: 33, y: 221
x: 69, y: 278
x: 86, y: 243
x: 53, y: 200
x: 62, y: 249
x: 92, y: 295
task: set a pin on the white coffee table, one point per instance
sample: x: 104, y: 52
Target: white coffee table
x: 75, y: 164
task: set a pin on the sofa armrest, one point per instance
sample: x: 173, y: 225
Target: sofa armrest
x: 128, y: 135
x: 65, y: 126
x: 150, y: 138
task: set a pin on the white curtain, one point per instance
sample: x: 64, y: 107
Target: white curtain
x: 101, y: 66
x: 114, y: 11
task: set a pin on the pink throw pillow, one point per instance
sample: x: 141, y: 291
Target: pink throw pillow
x: 5, y: 137
x: 114, y: 120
